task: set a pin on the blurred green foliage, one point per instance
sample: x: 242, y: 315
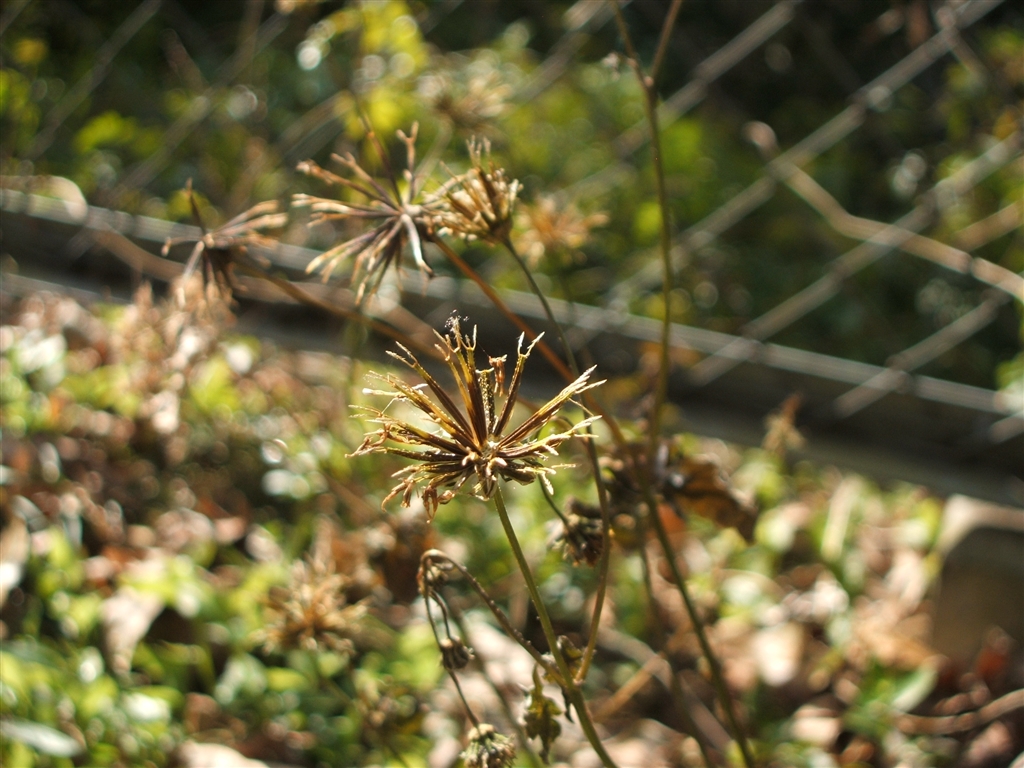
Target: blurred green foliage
x: 235, y: 112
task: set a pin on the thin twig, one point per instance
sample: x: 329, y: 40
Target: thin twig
x: 503, y: 699
x: 661, y: 391
x: 666, y: 35
x: 499, y: 614
x: 968, y: 721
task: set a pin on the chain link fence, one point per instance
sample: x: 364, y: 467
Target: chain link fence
x: 903, y: 415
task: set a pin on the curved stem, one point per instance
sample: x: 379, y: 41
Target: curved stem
x: 569, y: 685
x: 503, y: 699
x: 499, y: 614
x: 451, y: 673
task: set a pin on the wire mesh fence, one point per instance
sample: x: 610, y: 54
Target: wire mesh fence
x: 248, y: 91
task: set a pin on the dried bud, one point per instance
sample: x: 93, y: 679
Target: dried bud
x: 455, y: 654
x: 488, y: 749
x: 433, y: 572
x: 580, y: 535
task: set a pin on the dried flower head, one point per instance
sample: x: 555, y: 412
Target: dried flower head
x: 551, y: 228
x: 469, y: 444
x: 313, y: 612
x: 580, y: 535
x: 400, y: 215
x: 470, y: 97
x: 220, y: 248
x: 488, y: 749
x: 480, y: 202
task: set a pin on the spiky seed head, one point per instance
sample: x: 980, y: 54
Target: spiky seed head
x: 468, y: 440
x: 488, y: 749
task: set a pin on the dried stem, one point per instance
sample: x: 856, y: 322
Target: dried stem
x: 503, y: 700
x: 724, y: 697
x: 503, y: 620
x: 647, y: 84
x: 660, y: 636
x: 651, y: 111
x: 451, y: 672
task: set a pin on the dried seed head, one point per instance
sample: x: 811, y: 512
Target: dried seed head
x: 313, y: 612
x: 455, y: 654
x: 488, y: 749
x: 550, y: 228
x: 480, y: 202
x: 220, y: 248
x: 471, y: 444
x: 398, y: 212
x: 470, y: 98
x: 433, y: 571
x: 580, y: 535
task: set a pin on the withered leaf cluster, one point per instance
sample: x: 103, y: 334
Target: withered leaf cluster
x: 687, y: 484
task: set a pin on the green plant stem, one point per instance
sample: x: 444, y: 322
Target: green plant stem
x: 569, y: 685
x: 604, y: 564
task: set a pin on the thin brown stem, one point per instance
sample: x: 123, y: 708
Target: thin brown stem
x: 666, y: 35
x: 496, y: 300
x: 503, y: 620
x: 661, y: 639
x: 661, y: 391
x: 718, y: 680
x: 427, y: 599
x: 502, y: 697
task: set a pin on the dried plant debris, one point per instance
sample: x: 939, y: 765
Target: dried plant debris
x: 219, y: 249
x: 188, y: 560
x: 687, y: 484
x: 553, y: 229
x: 540, y: 717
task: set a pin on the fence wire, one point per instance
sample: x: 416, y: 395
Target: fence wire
x: 784, y: 168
